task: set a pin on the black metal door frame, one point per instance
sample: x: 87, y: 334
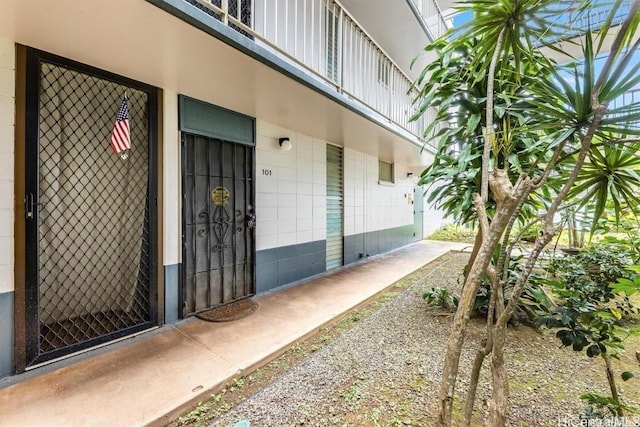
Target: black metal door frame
x: 31, y: 355
x: 249, y: 222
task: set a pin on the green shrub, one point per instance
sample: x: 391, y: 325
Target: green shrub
x: 592, y: 290
x: 533, y: 301
x: 441, y: 298
x: 454, y: 233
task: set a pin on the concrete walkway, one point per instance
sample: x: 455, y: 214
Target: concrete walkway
x: 151, y: 378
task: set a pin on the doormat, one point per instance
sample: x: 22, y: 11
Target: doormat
x: 227, y: 313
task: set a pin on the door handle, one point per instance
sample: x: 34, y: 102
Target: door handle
x: 30, y: 206
x: 251, y: 220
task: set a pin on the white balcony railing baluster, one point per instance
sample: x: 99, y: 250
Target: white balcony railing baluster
x: 432, y: 16
x: 596, y: 18
x: 630, y: 97
x: 324, y: 38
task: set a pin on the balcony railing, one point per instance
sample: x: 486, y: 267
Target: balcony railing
x: 432, y: 16
x: 596, y: 18
x: 576, y: 22
x: 630, y: 97
x: 322, y: 37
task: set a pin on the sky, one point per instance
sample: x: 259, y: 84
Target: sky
x: 599, y: 13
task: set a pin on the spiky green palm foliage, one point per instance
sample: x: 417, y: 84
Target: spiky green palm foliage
x: 514, y: 113
x: 538, y: 106
x: 562, y: 108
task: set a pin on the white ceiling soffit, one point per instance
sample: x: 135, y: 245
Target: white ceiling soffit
x: 152, y: 46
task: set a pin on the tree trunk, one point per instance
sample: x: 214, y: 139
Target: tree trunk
x: 489, y: 133
x: 498, y: 412
x: 612, y: 384
x: 467, y: 298
x: 456, y: 336
x: 500, y: 381
x: 474, y: 253
x: 481, y: 353
x: 485, y: 346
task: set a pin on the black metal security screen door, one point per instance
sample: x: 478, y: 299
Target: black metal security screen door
x: 90, y: 222
x: 219, y: 222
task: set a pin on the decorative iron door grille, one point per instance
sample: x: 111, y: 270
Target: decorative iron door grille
x: 239, y: 10
x: 90, y: 219
x: 219, y: 222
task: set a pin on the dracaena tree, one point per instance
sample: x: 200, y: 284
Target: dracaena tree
x: 524, y: 135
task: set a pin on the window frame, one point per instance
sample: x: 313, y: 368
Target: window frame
x: 386, y: 167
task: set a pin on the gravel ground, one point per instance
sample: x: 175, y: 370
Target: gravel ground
x: 385, y: 371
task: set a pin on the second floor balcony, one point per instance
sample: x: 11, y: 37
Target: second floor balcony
x: 327, y: 41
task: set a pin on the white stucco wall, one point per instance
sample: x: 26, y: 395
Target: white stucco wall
x: 7, y: 162
x: 172, y: 192
x: 433, y: 219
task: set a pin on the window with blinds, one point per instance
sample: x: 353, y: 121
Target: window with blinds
x: 385, y: 171
x: 335, y: 206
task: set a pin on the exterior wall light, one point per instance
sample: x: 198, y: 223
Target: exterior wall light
x: 285, y: 144
x: 409, y: 174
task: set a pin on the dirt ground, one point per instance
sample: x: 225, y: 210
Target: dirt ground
x: 379, y: 365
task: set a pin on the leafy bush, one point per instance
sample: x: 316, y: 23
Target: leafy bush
x: 454, y: 233
x: 533, y: 302
x: 590, y: 274
x: 626, y: 233
x: 441, y: 298
x: 530, y: 234
x: 592, y: 290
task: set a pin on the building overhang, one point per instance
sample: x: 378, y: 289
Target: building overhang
x: 188, y: 52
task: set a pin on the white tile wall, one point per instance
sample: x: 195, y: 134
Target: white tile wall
x: 287, y: 239
x: 290, y: 188
x: 7, y: 80
x: 291, y: 191
x: 6, y: 222
x: 7, y: 108
x: 369, y: 205
x: 319, y: 190
x: 7, y: 161
x: 6, y: 250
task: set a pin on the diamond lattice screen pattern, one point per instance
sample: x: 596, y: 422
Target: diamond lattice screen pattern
x: 93, y: 222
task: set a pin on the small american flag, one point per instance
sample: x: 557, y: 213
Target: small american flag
x: 120, y: 137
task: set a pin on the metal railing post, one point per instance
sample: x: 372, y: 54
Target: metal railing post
x: 341, y: 46
x: 225, y: 9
